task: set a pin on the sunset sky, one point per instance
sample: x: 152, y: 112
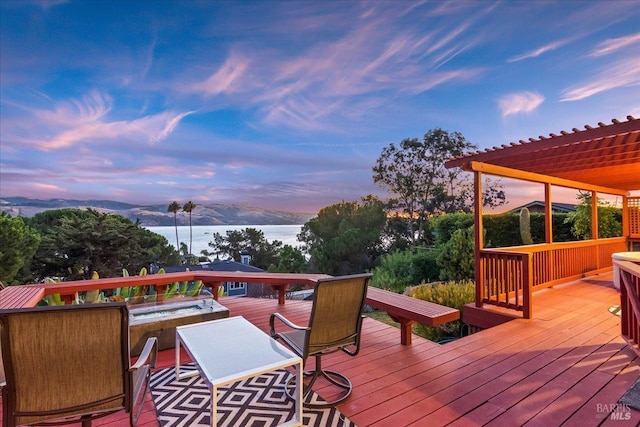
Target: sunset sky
x: 288, y: 104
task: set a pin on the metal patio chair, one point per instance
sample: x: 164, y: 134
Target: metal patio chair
x: 335, y: 324
x: 71, y: 364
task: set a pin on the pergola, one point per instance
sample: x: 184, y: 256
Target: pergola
x: 603, y: 159
x: 606, y: 158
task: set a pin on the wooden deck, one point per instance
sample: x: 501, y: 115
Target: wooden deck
x: 565, y: 367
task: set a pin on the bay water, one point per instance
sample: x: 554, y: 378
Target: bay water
x: 203, y: 234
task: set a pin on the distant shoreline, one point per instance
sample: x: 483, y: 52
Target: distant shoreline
x: 158, y: 215
x: 203, y: 234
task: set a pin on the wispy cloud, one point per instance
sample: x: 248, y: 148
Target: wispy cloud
x: 89, y: 109
x: 190, y: 105
x: 48, y: 187
x: 170, y: 126
x: 318, y: 87
x: 625, y: 72
x: 86, y: 120
x: 228, y: 78
x: 539, y: 51
x: 148, y: 60
x: 613, y: 45
x: 521, y: 102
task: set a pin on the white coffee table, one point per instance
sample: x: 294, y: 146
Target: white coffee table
x: 229, y: 350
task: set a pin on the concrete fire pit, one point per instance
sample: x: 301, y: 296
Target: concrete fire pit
x: 160, y: 320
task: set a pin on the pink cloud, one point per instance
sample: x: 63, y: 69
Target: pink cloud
x: 613, y: 45
x: 621, y: 73
x: 541, y: 50
x: 228, y: 78
x: 76, y: 121
x: 521, y: 102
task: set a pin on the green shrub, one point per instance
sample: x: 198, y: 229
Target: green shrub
x: 503, y: 230
x: 561, y: 228
x: 450, y: 294
x: 456, y: 257
x: 445, y: 225
x: 401, y: 269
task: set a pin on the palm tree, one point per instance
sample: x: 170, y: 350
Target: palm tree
x: 175, y: 207
x: 189, y: 207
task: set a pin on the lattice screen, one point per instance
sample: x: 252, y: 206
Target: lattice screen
x: 634, y: 216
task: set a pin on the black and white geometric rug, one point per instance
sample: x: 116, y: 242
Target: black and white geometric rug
x: 258, y: 401
x: 632, y: 397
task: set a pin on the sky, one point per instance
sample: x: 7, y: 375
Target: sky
x: 288, y: 104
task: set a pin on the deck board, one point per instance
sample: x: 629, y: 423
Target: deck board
x: 549, y: 371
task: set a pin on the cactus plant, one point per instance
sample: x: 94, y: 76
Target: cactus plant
x: 53, y: 299
x: 525, y: 227
x: 92, y: 296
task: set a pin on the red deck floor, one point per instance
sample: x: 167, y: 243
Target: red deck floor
x: 561, y: 368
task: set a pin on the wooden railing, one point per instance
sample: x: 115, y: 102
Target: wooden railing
x: 14, y: 296
x: 630, y: 303
x: 633, y: 204
x: 505, y: 280
x: 509, y: 276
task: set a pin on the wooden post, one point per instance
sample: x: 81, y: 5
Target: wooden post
x: 527, y: 288
x: 214, y: 287
x: 478, y: 240
x: 594, y: 224
x: 281, y: 289
x: 594, y: 215
x: 405, y: 328
x: 626, y: 227
x: 160, y: 289
x: 548, y: 214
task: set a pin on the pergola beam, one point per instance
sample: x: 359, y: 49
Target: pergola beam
x: 539, y: 178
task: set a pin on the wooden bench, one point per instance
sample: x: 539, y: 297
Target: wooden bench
x: 20, y: 296
x: 407, y: 311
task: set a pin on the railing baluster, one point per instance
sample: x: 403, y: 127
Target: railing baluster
x: 505, y: 275
x: 630, y: 303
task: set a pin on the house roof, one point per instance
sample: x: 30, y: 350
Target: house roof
x: 555, y: 206
x: 217, y: 265
x: 607, y: 155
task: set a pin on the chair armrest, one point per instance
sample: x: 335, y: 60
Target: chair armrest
x: 357, y: 344
x: 148, y: 355
x: 284, y: 320
x: 140, y: 374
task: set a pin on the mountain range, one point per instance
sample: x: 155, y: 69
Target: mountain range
x: 157, y: 215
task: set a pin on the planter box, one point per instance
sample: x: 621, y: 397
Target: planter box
x: 160, y: 320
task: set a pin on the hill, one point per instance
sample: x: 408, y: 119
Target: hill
x: 156, y: 215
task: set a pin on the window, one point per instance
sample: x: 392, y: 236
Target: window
x: 237, y: 285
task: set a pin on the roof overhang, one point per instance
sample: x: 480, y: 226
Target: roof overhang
x: 605, y: 158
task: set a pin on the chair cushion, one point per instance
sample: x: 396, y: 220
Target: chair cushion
x: 295, y: 340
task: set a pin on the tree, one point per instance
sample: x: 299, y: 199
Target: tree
x: 456, y: 257
x: 395, y: 234
x: 77, y: 242
x: 189, y: 207
x: 609, y: 219
x: 292, y: 260
x: 345, y: 237
x: 175, y: 207
x: 184, y: 249
x: 421, y: 187
x: 262, y: 252
x: 18, y: 243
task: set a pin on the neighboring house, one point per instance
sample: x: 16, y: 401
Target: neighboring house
x: 538, y: 207
x: 230, y: 288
